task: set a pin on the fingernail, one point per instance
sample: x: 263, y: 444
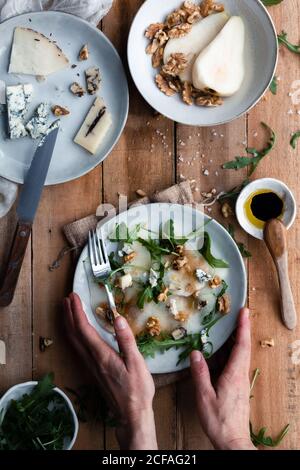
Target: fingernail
x: 246, y: 312
x: 120, y: 323
x: 196, y: 356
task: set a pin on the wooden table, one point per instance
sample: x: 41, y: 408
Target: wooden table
x: 36, y: 310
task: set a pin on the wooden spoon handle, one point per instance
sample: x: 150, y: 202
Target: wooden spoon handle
x: 276, y: 241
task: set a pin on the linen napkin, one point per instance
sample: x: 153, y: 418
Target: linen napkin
x: 90, y: 10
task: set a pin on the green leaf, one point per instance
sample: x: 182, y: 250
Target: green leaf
x: 261, y: 439
x: 274, y: 85
x: 282, y: 39
x: 269, y: 3
x: 252, y: 162
x: 294, y: 139
x: 121, y: 233
x: 205, y: 251
x: 145, y: 296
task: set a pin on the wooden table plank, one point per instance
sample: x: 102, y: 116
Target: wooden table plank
x: 143, y: 159
x: 276, y: 397
x: 60, y: 205
x: 16, y: 320
x: 200, y: 154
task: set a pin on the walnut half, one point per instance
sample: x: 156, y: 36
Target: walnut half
x: 153, y: 326
x: 224, y: 304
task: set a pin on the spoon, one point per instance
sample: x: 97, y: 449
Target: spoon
x: 275, y: 237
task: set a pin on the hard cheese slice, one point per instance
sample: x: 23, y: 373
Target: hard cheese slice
x: 34, y: 54
x: 17, y: 97
x: 95, y: 127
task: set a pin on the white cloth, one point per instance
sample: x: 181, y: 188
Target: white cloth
x: 90, y: 10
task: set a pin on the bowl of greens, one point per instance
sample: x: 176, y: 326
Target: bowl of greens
x: 37, y: 416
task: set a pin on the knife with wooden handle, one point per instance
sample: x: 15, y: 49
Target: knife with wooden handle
x: 26, y: 210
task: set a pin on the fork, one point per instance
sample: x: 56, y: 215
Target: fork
x: 101, y: 267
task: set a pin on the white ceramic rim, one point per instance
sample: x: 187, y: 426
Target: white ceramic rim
x: 126, y: 98
x: 242, y: 113
x: 5, y: 398
x: 263, y: 183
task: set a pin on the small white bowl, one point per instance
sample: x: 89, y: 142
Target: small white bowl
x: 281, y: 189
x: 16, y: 392
x: 261, y: 54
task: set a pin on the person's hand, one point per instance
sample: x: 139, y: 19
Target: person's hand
x: 124, y: 380
x: 224, y: 410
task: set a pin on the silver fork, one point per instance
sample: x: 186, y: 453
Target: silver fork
x: 101, y: 266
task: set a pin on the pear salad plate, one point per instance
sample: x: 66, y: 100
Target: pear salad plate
x: 200, y: 67
x: 178, y: 277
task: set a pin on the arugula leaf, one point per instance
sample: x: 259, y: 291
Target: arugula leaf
x: 205, y: 251
x: 261, y: 439
x: 282, y: 39
x: 269, y: 3
x: 294, y: 139
x: 167, y: 236
x: 145, y: 296
x: 114, y: 264
x: 274, y: 85
x: 252, y: 162
x: 121, y: 233
x: 244, y: 252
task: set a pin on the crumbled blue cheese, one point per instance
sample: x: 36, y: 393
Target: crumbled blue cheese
x: 51, y: 128
x: 37, y: 126
x: 17, y: 97
x: 172, y: 306
x: 126, y: 250
x: 203, y: 276
x: 153, y: 277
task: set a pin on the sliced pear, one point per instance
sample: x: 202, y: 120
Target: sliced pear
x: 201, y: 34
x: 220, y: 66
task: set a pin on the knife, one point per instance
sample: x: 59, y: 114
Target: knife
x: 27, y: 206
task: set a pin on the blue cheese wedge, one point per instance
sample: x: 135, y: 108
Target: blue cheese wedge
x: 95, y: 127
x: 17, y: 98
x: 37, y: 126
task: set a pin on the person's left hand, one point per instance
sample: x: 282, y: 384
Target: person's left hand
x: 124, y: 380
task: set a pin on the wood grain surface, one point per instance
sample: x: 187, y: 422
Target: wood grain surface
x: 153, y: 153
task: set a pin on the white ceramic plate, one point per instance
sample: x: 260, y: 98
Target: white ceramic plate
x: 261, y: 53
x: 69, y: 160
x: 186, y: 219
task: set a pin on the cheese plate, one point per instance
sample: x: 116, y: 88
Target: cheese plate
x: 62, y: 35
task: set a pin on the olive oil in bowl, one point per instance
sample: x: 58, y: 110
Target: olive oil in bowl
x: 263, y: 205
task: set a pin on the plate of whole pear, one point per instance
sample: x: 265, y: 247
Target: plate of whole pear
x: 202, y: 63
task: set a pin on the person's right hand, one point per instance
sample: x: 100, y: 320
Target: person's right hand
x: 224, y: 411
x: 125, y: 381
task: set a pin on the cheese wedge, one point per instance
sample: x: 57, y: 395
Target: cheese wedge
x: 34, y: 54
x: 95, y: 127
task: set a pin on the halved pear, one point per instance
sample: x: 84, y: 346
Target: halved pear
x: 220, y: 66
x: 201, y: 34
